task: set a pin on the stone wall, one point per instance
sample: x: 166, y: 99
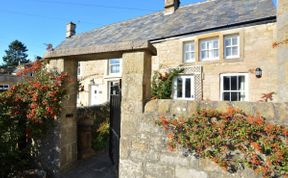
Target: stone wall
x: 144, y: 153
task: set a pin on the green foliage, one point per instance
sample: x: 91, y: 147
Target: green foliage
x: 100, y: 138
x: 232, y: 139
x: 162, y: 84
x: 27, y: 110
x: 16, y: 54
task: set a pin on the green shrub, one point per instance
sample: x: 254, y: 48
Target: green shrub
x: 162, y: 84
x: 231, y: 139
x: 27, y: 110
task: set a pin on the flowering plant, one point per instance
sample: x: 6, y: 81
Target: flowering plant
x: 27, y: 110
x: 231, y: 139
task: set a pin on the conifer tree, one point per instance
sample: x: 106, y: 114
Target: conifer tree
x: 16, y: 54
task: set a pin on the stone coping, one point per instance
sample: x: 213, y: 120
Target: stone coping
x: 273, y: 112
x: 120, y: 47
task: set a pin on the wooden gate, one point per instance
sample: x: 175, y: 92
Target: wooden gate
x: 115, y: 120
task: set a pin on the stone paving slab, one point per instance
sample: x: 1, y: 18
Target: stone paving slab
x: 99, y: 166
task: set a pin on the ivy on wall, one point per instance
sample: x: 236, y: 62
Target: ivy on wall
x: 232, y: 139
x: 162, y: 83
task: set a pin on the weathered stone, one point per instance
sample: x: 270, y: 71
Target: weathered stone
x: 128, y: 169
x: 151, y: 106
x: 192, y: 108
x: 164, y: 106
x: 246, y: 107
x: 181, y: 172
x: 266, y: 110
x: 209, y: 166
x: 174, y: 160
x: 179, y: 108
x: 124, y: 147
x: 159, y: 170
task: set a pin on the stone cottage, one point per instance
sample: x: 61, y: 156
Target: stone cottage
x: 225, y: 47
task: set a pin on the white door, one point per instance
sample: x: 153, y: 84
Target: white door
x: 95, y: 95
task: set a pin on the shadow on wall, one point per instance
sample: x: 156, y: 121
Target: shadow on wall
x: 100, y: 115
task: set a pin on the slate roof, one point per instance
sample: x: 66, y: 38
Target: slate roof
x: 187, y: 19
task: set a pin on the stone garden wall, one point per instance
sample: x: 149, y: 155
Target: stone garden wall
x: 144, y: 153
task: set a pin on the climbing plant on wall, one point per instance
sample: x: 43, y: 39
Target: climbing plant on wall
x: 27, y: 110
x: 232, y: 139
x: 162, y: 83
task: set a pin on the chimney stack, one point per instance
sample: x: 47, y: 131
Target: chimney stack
x: 70, y: 29
x: 171, y: 6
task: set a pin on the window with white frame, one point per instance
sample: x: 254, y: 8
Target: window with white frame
x: 114, y: 88
x: 79, y: 69
x: 234, y: 87
x: 209, y: 49
x: 4, y: 87
x: 231, y: 46
x: 189, y: 52
x: 183, y: 87
x: 114, y: 66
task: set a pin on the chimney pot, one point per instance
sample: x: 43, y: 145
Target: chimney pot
x: 70, y: 29
x: 171, y: 6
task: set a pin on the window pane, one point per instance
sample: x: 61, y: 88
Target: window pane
x: 226, y: 83
x: 115, y: 69
x: 235, y: 40
x: 203, y: 45
x: 215, y: 53
x: 226, y: 96
x: 227, y: 42
x: 234, y: 83
x: 235, y: 51
x: 188, y: 88
x: 179, y: 87
x: 234, y: 96
x: 114, y: 61
x: 241, y: 82
x: 228, y: 51
x: 215, y: 44
x: 204, y: 55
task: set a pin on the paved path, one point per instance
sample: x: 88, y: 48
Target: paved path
x: 98, y: 166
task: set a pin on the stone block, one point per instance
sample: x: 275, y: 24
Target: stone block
x: 266, y: 110
x: 164, y: 106
x: 179, y: 108
x: 151, y: 106
x: 247, y: 107
x: 181, y: 172
x: 125, y: 145
x: 209, y: 166
x: 169, y: 159
x: 129, y: 169
x: 158, y: 170
x: 192, y: 108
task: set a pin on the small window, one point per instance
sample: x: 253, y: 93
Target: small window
x: 231, y: 46
x: 209, y: 49
x: 79, y: 69
x: 189, y: 52
x: 114, y: 66
x: 234, y: 87
x: 183, y: 88
x: 4, y: 87
x: 114, y: 88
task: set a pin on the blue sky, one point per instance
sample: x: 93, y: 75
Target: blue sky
x: 36, y: 22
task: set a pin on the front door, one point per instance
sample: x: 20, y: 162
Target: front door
x: 95, y: 95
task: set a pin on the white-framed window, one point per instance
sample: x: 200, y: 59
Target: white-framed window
x: 189, y: 51
x: 79, y: 69
x: 231, y: 46
x: 114, y: 66
x: 114, y: 88
x: 184, y: 87
x: 234, y: 87
x: 4, y: 87
x: 209, y: 49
